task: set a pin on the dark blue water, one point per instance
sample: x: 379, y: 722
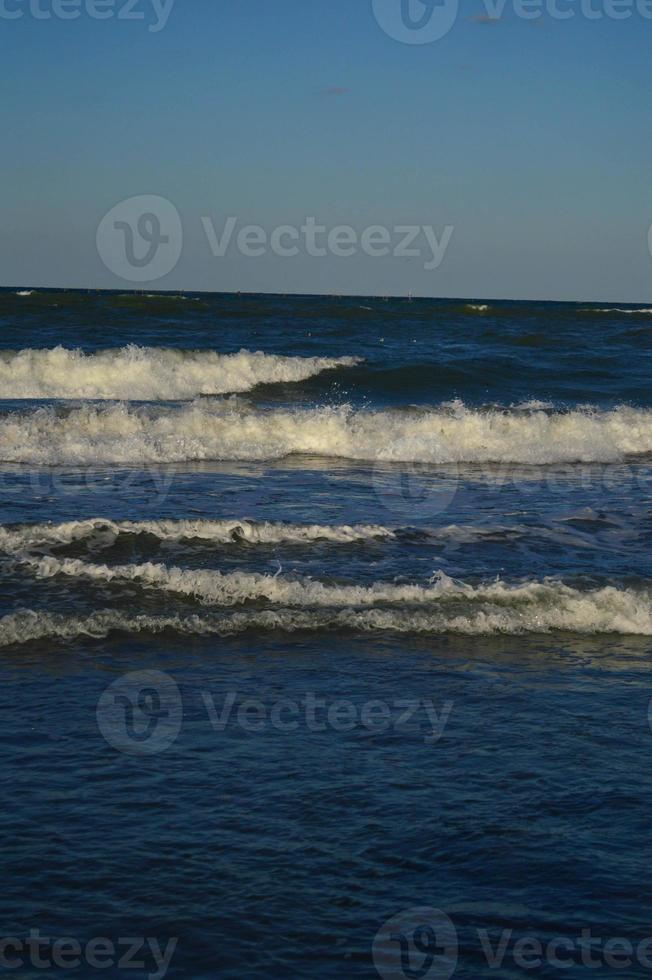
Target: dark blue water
x: 290, y: 648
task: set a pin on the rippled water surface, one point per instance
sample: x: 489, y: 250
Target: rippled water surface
x: 314, y: 611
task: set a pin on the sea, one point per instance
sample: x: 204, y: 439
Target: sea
x: 325, y: 637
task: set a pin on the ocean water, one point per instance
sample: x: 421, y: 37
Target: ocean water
x: 325, y: 635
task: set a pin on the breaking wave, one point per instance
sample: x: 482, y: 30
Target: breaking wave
x: 617, y: 309
x: 105, y: 532
x: 233, y: 588
x: 231, y: 430
x: 457, y: 606
x: 149, y: 373
x: 533, y: 607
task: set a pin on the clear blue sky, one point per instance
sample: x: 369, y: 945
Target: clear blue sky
x: 532, y: 139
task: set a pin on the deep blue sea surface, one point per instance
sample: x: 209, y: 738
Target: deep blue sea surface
x: 325, y: 636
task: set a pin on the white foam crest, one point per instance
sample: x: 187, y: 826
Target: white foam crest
x: 26, y: 537
x: 148, y: 373
x: 494, y: 607
x: 533, y: 405
x: 25, y: 292
x: 534, y: 608
x: 225, y: 589
x: 229, y: 430
x: 616, y: 309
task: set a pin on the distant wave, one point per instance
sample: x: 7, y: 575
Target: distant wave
x: 616, y: 309
x: 149, y: 373
x: 230, y: 430
x: 166, y: 297
x: 477, y: 307
x: 29, y: 536
x: 25, y: 292
x: 446, y: 607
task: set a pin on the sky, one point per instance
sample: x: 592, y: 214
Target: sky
x: 524, y: 147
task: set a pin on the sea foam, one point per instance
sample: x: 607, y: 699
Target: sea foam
x: 231, y: 430
x: 617, y: 309
x: 105, y: 532
x: 532, y: 607
x: 148, y: 373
